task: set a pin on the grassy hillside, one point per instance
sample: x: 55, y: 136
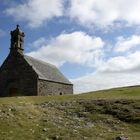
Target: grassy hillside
x: 100, y: 115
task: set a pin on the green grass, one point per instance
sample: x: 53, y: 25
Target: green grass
x: 100, y: 115
x: 116, y: 93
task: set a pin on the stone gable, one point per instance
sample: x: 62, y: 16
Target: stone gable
x: 21, y: 75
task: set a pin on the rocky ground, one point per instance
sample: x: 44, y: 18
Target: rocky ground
x: 69, y: 118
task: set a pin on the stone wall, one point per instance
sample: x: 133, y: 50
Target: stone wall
x: 16, y: 73
x: 53, y: 88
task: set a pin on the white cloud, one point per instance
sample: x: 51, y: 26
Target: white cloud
x: 125, y: 56
x: 121, y: 69
x: 99, y: 80
x: 36, y: 12
x: 76, y: 47
x: 117, y: 71
x: 105, y: 12
x: 121, y: 64
x: 40, y: 42
x: 80, y: 48
x: 125, y: 44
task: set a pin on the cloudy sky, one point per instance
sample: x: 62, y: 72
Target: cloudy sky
x: 95, y: 43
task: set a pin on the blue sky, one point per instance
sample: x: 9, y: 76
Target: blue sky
x: 95, y: 43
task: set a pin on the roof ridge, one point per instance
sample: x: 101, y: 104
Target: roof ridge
x: 46, y: 70
x: 39, y: 60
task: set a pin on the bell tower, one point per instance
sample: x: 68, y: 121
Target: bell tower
x: 17, y: 40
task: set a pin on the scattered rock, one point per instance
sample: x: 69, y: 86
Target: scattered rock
x: 56, y: 138
x: 90, y: 125
x: 32, y: 130
x: 45, y: 120
x: 37, y: 124
x: 121, y: 138
x: 30, y: 117
x: 11, y: 109
x: 45, y: 129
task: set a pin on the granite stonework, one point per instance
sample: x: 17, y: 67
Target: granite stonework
x: 16, y: 74
x: 22, y: 75
x: 53, y: 88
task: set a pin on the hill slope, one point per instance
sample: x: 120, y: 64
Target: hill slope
x: 101, y: 115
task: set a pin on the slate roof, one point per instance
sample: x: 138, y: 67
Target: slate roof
x: 46, y: 71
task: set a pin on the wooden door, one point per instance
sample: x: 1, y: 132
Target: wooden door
x: 13, y: 92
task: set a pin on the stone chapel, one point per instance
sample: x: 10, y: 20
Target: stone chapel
x: 22, y: 75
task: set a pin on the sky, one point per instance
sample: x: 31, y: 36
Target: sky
x: 95, y: 43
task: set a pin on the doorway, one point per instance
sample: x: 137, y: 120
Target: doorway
x: 13, y: 91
